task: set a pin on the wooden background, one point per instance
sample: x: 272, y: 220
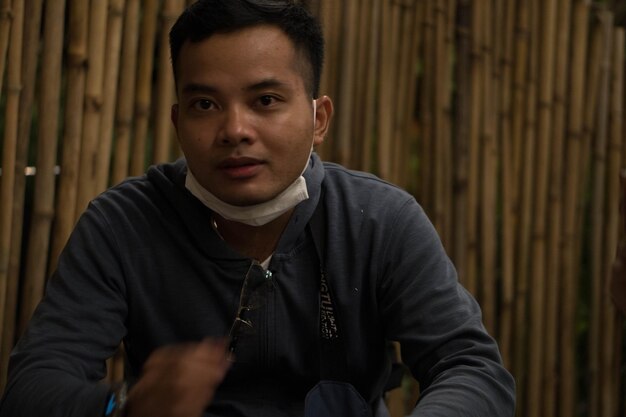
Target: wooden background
x: 505, y: 118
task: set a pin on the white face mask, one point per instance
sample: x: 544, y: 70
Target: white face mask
x: 258, y: 214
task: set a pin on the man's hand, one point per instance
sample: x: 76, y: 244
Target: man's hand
x: 179, y: 381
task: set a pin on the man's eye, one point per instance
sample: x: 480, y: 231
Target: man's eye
x: 267, y: 100
x: 203, y: 104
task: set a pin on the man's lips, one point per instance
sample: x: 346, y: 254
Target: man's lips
x: 239, y: 162
x: 240, y: 168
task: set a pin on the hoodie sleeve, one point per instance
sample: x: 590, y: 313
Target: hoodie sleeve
x: 57, y: 367
x: 439, y: 326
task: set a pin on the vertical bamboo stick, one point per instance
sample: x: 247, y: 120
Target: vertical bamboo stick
x: 567, y: 398
x: 7, y: 184
x: 617, y: 147
x: 462, y: 110
x: 473, y: 203
x: 385, y: 92
x: 426, y: 152
x: 126, y: 93
x: 93, y: 104
x: 32, y: 24
x: 165, y: 84
x: 344, y: 140
x: 394, y: 143
x: 73, y: 126
x: 331, y: 13
x: 539, y: 245
x: 400, y: 137
x: 47, y: 140
x: 6, y: 19
x: 553, y: 296
x: 615, y: 133
x: 602, y: 42
x: 412, y: 97
x: 488, y: 176
x: 143, y: 97
x: 111, y: 73
x: 527, y: 151
x: 505, y: 328
x: 369, y: 120
x: 441, y: 203
x: 358, y: 122
x: 593, y: 82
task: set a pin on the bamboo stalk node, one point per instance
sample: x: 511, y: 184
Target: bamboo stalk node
x: 76, y: 59
x: 93, y: 104
x: 14, y: 88
x: 404, y: 3
x: 169, y: 16
x: 116, y: 10
x: 142, y: 109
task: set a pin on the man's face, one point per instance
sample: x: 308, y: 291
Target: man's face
x: 244, y: 119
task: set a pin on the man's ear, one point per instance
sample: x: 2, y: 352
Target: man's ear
x: 174, y: 115
x: 322, y: 115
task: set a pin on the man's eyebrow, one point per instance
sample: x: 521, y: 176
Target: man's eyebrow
x: 198, y: 88
x: 194, y: 88
x: 267, y: 83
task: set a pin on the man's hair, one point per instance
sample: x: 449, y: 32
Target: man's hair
x: 205, y: 18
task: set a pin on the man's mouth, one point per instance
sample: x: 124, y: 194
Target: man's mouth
x: 241, y: 167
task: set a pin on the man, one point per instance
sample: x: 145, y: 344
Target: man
x: 240, y: 277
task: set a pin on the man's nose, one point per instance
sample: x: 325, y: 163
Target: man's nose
x: 235, y: 127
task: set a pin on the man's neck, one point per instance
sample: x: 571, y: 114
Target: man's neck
x: 256, y: 242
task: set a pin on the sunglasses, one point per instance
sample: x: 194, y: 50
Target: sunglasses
x: 254, y: 292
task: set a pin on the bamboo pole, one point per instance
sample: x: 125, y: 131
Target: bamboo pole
x: 6, y: 19
x: 369, y: 115
x: 569, y: 291
x: 400, y: 137
x: 393, y: 141
x: 111, y: 75
x: 529, y: 79
x: 47, y: 141
x: 385, y: 93
x: 11, y: 118
x: 76, y: 67
x: 461, y: 133
x: 442, y: 189
x: 609, y: 384
x: 411, y: 122
x: 602, y: 42
x: 488, y: 176
x: 358, y: 122
x: 553, y: 296
x: 32, y: 23
x: 165, y: 85
x: 344, y: 140
x: 143, y: 94
x: 505, y: 328
x: 547, y: 46
x: 471, y: 268
x: 331, y: 13
x: 410, y: 144
x: 617, y: 149
x: 93, y: 104
x: 426, y: 152
x: 126, y: 92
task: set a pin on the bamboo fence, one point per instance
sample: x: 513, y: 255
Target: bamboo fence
x: 505, y: 118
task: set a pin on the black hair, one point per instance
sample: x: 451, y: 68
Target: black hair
x: 205, y: 18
